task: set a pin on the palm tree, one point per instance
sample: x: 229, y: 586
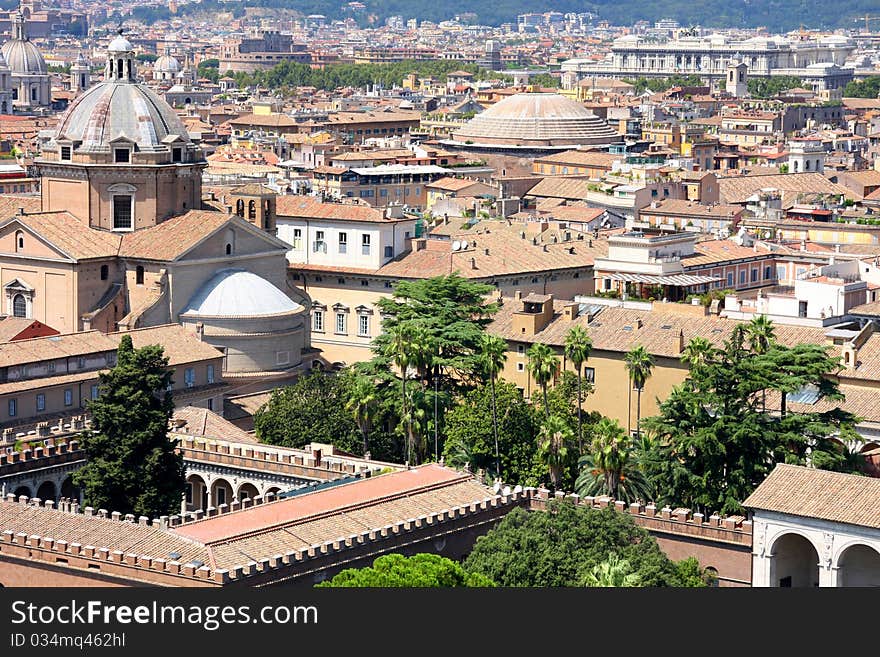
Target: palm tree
x: 399, y: 350
x: 544, y: 367
x: 639, y: 364
x: 578, y: 346
x: 493, y: 354
x: 612, y: 466
x: 413, y: 421
x: 552, y: 448
x: 362, y: 405
x: 759, y: 332
x: 613, y: 572
x: 697, y: 353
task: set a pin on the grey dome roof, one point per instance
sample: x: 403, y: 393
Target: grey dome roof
x: 24, y: 57
x: 537, y: 119
x: 239, y: 293
x: 120, y: 44
x: 113, y: 109
x: 166, y: 64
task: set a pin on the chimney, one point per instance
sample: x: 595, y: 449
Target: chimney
x: 486, y: 251
x: 570, y: 311
x: 680, y: 346
x: 518, y: 295
x: 639, y: 323
x: 200, y: 331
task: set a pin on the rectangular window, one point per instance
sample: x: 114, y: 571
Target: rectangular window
x: 68, y: 397
x: 210, y: 374
x: 343, y: 242
x: 81, y: 363
x: 383, y: 192
x: 95, y: 391
x: 590, y: 375
x: 780, y: 273
x: 754, y: 275
x: 282, y: 357
x: 520, y: 367
x: 389, y: 251
x: 176, y: 155
x: 768, y: 272
x: 364, y: 325
x: 12, y: 407
x: 297, y: 238
x: 122, y: 213
x: 365, y: 244
x: 121, y: 155
x: 730, y: 279
x: 318, y: 321
x: 340, y: 323
x: 319, y: 244
x: 41, y: 402
x: 742, y: 277
x: 50, y: 367
x: 189, y: 377
x: 520, y: 349
x: 65, y: 152
x: 221, y: 496
x: 210, y: 403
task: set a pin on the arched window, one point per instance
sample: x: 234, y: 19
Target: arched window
x: 228, y: 249
x: 239, y: 208
x: 19, y: 240
x: 252, y: 210
x: 105, y: 270
x: 19, y: 306
x: 139, y: 275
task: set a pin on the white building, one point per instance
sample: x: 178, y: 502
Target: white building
x: 342, y: 235
x: 815, y: 528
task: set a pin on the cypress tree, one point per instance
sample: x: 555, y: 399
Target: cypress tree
x: 131, y: 464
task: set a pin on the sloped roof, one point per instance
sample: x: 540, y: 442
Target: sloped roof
x: 812, y: 493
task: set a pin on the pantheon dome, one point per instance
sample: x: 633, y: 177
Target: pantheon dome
x: 535, y: 121
x: 257, y: 326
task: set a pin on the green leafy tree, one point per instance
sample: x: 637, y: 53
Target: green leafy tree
x: 714, y: 444
x: 770, y: 87
x: 613, y: 572
x: 418, y: 571
x: 544, y: 367
x: 470, y: 435
x: 578, y: 346
x: 131, y: 463
x: 760, y: 334
x: 493, y: 355
x: 612, y: 466
x: 867, y: 88
x: 639, y: 365
x: 311, y: 410
x: 558, y: 547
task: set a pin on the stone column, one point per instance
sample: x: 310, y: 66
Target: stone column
x: 830, y: 577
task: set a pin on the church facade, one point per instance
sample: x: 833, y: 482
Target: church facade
x: 120, y: 238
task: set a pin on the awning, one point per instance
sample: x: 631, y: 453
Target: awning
x: 679, y: 280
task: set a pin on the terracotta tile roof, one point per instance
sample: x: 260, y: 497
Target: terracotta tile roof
x: 736, y: 189
x: 173, y: 237
x: 311, y: 207
x: 867, y: 361
x: 812, y: 493
x: 681, y: 207
x: 581, y: 159
x: 181, y: 345
x: 860, y: 400
x: 67, y: 345
x: 11, y: 387
x: 711, y: 252
x: 872, y: 308
x: 508, y: 254
x: 618, y: 330
x: 9, y: 205
x: 202, y: 423
x: 11, y: 326
x: 557, y: 187
x: 71, y: 236
x: 267, y: 120
x: 351, y: 118
x: 289, y: 511
x: 95, y: 531
x: 449, y: 184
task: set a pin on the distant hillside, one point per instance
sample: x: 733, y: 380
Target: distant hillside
x: 776, y: 15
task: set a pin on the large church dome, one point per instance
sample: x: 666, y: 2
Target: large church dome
x: 536, y: 120
x: 239, y: 293
x: 21, y: 55
x: 120, y: 108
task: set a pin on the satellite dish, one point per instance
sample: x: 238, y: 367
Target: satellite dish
x: 456, y: 245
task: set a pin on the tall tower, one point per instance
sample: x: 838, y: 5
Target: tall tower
x: 80, y: 74
x: 736, y: 82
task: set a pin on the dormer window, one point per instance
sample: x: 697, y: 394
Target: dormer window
x: 121, y: 155
x: 177, y: 155
x: 65, y: 153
